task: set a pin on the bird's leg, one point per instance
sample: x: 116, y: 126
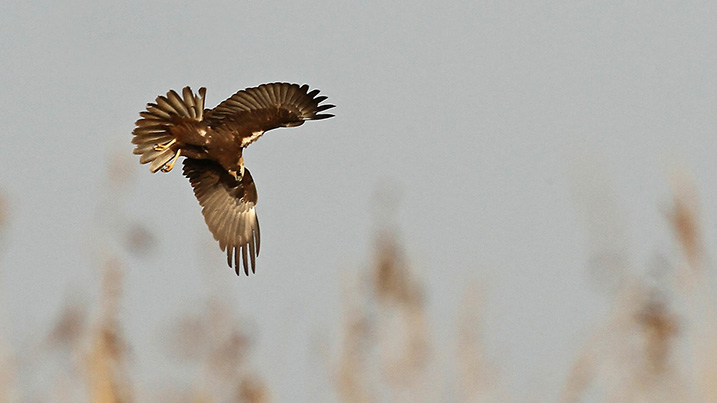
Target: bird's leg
x: 162, y: 147
x: 168, y: 166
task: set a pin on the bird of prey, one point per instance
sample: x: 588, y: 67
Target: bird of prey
x: 212, y: 142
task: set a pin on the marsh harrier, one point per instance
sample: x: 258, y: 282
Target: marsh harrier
x: 212, y: 142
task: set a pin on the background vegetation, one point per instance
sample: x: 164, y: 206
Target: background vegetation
x: 657, y: 344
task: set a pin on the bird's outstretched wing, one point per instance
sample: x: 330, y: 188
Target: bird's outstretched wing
x: 253, y: 111
x: 228, y: 209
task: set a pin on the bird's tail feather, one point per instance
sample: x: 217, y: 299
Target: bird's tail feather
x: 153, y: 139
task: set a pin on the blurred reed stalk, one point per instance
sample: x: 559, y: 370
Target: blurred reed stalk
x: 477, y: 376
x: 696, y: 287
x: 106, y: 360
x: 9, y: 388
x: 386, y: 352
x: 637, y: 356
x: 214, y: 340
x: 385, y: 346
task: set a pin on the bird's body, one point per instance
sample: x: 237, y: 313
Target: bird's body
x: 212, y: 142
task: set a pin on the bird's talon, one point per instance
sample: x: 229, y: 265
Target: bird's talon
x: 162, y: 147
x: 170, y: 165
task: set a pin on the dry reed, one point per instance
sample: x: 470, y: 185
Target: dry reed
x: 106, y: 360
x: 385, y: 348
x: 9, y: 390
x: 215, y: 341
x: 386, y: 352
x: 636, y: 356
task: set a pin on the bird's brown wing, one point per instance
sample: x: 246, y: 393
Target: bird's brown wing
x: 228, y: 209
x: 253, y: 111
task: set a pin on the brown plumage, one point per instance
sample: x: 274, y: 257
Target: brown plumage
x: 213, y: 142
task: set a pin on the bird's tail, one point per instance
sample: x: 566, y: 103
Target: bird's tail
x: 153, y: 139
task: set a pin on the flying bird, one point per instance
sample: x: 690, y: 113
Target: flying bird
x: 212, y: 142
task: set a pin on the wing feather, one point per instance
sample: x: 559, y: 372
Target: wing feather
x: 252, y: 254
x: 229, y: 211
x: 276, y: 92
x: 296, y: 92
x: 251, y: 112
x: 283, y: 91
x: 263, y: 95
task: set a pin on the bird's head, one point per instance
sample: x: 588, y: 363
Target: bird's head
x: 236, y: 169
x: 237, y: 172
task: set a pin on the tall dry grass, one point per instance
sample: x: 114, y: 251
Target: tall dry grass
x: 658, y: 344
x: 215, y: 341
x: 9, y: 390
x: 106, y: 360
x: 385, y: 346
x: 386, y: 350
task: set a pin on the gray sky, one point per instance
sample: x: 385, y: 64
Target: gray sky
x: 479, y: 116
